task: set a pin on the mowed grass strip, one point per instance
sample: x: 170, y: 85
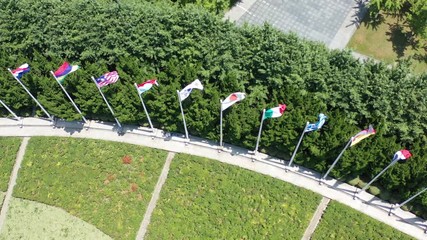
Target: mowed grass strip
x: 207, y: 199
x: 32, y: 220
x: 9, y: 147
x: 342, y: 222
x: 104, y: 183
x: 389, y: 42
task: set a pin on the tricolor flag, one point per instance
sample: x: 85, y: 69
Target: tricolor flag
x: 64, y: 70
x: 232, y: 99
x: 362, y: 135
x: 145, y: 86
x: 402, y: 155
x: 107, y: 78
x: 19, y: 72
x: 275, y: 112
x: 316, y: 126
x: 184, y: 93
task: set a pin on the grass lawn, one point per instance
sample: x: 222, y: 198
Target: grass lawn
x: 2, y: 194
x: 32, y: 220
x: 9, y: 148
x: 90, y: 180
x: 207, y: 199
x: 342, y: 222
x: 387, y: 42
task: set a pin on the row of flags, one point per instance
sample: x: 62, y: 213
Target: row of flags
x: 276, y: 112
x: 112, y: 77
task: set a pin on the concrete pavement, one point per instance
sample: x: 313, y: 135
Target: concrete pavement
x: 262, y: 163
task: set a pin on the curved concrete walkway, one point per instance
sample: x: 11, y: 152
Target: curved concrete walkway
x: 262, y: 163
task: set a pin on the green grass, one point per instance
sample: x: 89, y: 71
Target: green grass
x: 388, y: 42
x: 32, y: 220
x: 9, y: 147
x: 2, y: 194
x: 206, y: 199
x: 88, y: 179
x: 342, y: 222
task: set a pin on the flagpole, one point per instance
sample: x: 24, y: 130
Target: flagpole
x: 69, y: 97
x: 220, y: 123
x: 299, y: 142
x: 145, y: 109
x: 259, y: 133
x: 8, y: 109
x: 183, y: 116
x: 31, y: 95
x: 375, y: 178
x: 335, y: 162
x: 416, y: 195
x: 108, y: 105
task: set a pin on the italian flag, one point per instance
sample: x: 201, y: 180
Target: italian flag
x: 275, y: 112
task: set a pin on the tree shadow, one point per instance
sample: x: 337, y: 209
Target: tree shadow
x: 398, y: 37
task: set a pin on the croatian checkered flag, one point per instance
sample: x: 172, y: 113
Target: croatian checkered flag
x: 108, y: 78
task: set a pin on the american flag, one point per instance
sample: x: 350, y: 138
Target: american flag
x: 108, y: 78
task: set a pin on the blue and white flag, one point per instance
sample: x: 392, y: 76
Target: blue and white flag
x: 315, y: 126
x: 184, y: 93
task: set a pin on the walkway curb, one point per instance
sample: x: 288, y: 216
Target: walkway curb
x: 154, y: 197
x: 316, y: 218
x: 12, y: 181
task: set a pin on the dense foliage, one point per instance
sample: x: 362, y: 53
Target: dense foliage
x: 213, y: 200
x: 342, y: 222
x: 142, y: 40
x: 8, y: 150
x: 91, y: 180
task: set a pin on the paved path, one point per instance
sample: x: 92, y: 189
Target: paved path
x: 154, y: 197
x: 299, y: 176
x: 331, y: 22
x: 316, y: 218
x: 12, y: 182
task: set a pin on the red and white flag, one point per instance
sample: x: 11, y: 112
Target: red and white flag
x: 232, y: 99
x: 402, y: 155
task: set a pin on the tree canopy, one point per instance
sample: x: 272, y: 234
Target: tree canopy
x: 145, y: 40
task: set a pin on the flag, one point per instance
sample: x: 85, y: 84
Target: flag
x: 362, y: 135
x: 275, y: 112
x: 402, y: 155
x: 232, y: 99
x: 19, y: 72
x: 107, y: 78
x: 64, y: 70
x: 316, y: 126
x: 145, y: 86
x: 184, y: 93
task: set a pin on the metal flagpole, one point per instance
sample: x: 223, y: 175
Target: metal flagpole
x: 375, y: 178
x: 220, y: 123
x: 299, y: 142
x: 336, y: 160
x: 183, y: 116
x: 31, y: 95
x: 71, y: 100
x: 8, y: 109
x: 145, y: 109
x: 416, y: 195
x: 259, y: 133
x: 108, y: 105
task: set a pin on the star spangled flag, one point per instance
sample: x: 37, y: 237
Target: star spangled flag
x: 275, y: 112
x: 145, y: 86
x: 107, y: 78
x: 21, y: 70
x: 316, y: 126
x: 232, y: 99
x: 402, y: 155
x: 64, y: 70
x: 184, y: 93
x: 362, y: 135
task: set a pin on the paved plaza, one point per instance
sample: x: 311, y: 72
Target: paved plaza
x: 331, y: 22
